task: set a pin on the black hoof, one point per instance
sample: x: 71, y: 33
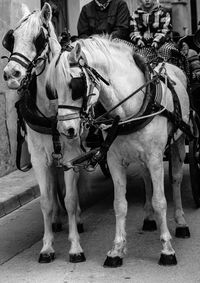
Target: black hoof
x: 149, y: 225
x: 182, y: 232
x: 56, y: 227
x: 167, y: 259
x: 80, y: 228
x: 75, y: 258
x: 46, y: 258
x: 113, y: 261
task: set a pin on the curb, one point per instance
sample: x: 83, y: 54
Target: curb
x: 17, y: 189
x: 19, y: 200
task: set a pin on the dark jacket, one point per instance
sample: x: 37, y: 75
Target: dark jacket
x: 114, y: 20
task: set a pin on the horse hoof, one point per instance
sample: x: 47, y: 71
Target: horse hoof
x: 56, y: 227
x: 75, y: 258
x: 167, y: 259
x: 149, y: 225
x: 46, y: 258
x: 182, y: 232
x: 113, y: 261
x: 80, y: 228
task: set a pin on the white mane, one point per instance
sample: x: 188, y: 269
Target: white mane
x: 30, y: 26
x: 100, y: 50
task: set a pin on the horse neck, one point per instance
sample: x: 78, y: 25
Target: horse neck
x: 46, y: 106
x: 123, y: 83
x: 41, y: 98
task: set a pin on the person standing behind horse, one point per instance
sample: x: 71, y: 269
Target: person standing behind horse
x: 150, y: 30
x: 104, y: 17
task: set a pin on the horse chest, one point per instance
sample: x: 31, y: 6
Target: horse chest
x: 128, y: 149
x: 40, y: 146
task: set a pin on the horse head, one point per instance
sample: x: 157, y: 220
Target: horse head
x: 70, y: 80
x: 29, y: 44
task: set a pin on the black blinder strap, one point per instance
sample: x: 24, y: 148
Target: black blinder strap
x: 26, y: 66
x: 22, y: 56
x: 40, y: 42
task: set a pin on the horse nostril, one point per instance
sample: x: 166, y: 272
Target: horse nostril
x: 16, y: 74
x: 71, y: 132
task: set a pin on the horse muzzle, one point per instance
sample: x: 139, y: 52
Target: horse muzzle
x: 12, y: 83
x: 13, y: 76
x: 70, y: 132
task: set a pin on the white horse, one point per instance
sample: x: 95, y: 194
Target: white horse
x: 32, y: 44
x: 115, y: 62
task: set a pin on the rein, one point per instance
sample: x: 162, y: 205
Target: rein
x: 98, y: 121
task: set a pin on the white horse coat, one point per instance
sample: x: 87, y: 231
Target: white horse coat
x: 115, y: 62
x: 40, y: 145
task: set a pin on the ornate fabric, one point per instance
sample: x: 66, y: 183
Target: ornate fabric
x: 152, y: 26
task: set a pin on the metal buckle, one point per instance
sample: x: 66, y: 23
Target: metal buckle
x: 57, y: 159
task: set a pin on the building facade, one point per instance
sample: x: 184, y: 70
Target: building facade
x: 185, y: 18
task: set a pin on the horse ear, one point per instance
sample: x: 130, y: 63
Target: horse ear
x: 46, y: 13
x: 75, y: 54
x: 24, y: 10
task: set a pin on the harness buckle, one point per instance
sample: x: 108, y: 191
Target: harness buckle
x: 57, y: 159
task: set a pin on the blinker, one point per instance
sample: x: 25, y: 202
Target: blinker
x: 8, y: 41
x: 79, y: 88
x: 39, y: 42
x: 51, y: 94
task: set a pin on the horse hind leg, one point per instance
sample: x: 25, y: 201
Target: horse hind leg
x: 149, y: 223
x: 176, y: 163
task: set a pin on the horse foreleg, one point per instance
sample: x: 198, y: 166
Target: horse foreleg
x: 116, y: 254
x: 71, y: 203
x: 149, y: 223
x: 46, y: 181
x: 176, y: 174
x: 156, y: 169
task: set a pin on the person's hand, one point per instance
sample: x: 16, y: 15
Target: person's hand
x: 140, y: 43
x: 154, y: 45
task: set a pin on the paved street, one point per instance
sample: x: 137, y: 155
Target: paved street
x: 21, y: 233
